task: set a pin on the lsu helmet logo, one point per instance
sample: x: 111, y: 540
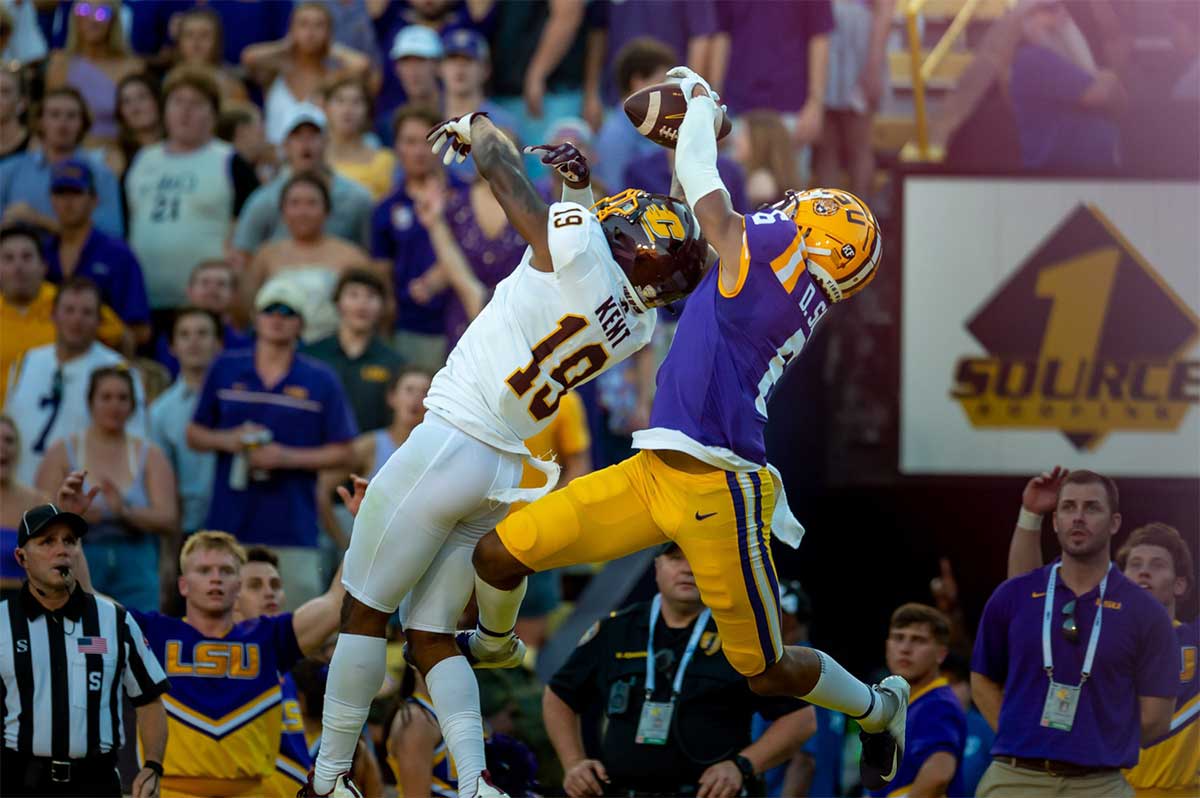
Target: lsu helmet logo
x: 662, y: 222
x: 1084, y: 338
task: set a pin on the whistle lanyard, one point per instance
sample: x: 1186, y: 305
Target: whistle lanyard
x: 697, y: 633
x: 1047, y: 622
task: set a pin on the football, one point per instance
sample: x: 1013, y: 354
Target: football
x: 657, y: 112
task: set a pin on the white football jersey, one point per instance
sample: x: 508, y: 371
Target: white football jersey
x: 49, y: 401
x: 541, y: 334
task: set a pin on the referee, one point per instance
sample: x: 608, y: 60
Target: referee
x: 63, y: 655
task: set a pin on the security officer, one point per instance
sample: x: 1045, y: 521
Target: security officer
x: 678, y: 714
x: 64, y: 654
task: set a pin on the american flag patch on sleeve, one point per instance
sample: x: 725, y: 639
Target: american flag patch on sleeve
x: 92, y: 645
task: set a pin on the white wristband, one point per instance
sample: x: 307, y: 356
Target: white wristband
x: 583, y: 196
x: 1029, y: 520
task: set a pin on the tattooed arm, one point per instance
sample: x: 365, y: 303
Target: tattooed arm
x: 499, y: 163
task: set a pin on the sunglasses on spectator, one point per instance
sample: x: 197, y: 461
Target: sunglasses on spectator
x: 280, y: 309
x: 1069, y: 627
x: 97, y: 12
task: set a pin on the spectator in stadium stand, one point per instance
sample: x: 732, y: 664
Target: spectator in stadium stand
x: 365, y: 363
x: 304, y: 151
x: 15, y: 498
x: 274, y: 418
x: 292, y: 70
x: 401, y: 246
x: 95, y: 59
x: 415, y: 53
x: 753, y: 33
x: 48, y: 386
x: 1157, y: 559
x: 14, y: 105
x: 212, y: 286
x: 353, y: 28
x: 347, y: 104
x: 542, y: 83
x: 1065, y: 104
x: 640, y: 63
x: 763, y: 148
x: 858, y: 74
x: 464, y: 72
x: 196, y: 338
x: 262, y: 594
x: 27, y: 301
x: 816, y: 769
x: 241, y: 124
x: 242, y: 24
x: 1074, y: 665
x: 309, y: 257
x: 917, y: 643
x: 199, y: 43
x: 136, y: 501
x: 663, y: 659
x: 63, y: 120
x: 687, y: 28
x: 184, y: 193
x: 139, y: 115
x: 21, y: 41
x: 79, y: 248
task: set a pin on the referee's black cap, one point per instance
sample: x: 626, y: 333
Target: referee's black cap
x: 37, y: 521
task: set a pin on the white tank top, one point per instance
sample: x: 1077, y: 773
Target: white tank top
x: 541, y: 334
x: 278, y: 107
x: 180, y: 213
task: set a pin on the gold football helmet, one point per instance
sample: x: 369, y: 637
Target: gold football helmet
x: 841, y: 236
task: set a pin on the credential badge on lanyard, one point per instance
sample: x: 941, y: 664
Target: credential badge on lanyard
x: 1062, y: 700
x: 654, y: 725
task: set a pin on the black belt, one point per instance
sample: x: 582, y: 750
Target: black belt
x: 1053, y: 767
x: 58, y: 771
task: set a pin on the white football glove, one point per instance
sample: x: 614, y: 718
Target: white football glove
x: 688, y: 80
x: 457, y: 132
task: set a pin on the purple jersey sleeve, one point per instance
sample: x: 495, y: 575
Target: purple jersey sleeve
x: 769, y: 234
x: 990, y: 657
x: 1158, y: 655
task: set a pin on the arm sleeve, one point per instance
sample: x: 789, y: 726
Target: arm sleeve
x: 990, y: 657
x: 287, y: 647
x: 1158, y: 655
x: 568, y: 243
x: 144, y: 679
x: 245, y: 181
x: 107, y: 216
x: 577, y: 682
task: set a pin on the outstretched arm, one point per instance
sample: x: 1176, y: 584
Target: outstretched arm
x: 499, y: 163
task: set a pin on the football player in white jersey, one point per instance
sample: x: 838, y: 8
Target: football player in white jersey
x: 581, y: 300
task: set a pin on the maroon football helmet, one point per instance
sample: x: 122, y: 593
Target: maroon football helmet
x: 656, y: 241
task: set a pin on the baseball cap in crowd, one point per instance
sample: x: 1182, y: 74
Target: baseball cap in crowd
x: 37, y: 522
x: 304, y: 113
x: 464, y: 41
x: 418, y: 41
x: 281, y: 292
x: 72, y: 174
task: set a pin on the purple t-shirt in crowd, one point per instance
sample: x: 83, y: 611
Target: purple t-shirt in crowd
x: 1137, y: 655
x: 492, y: 259
x: 764, y: 36
x: 672, y: 22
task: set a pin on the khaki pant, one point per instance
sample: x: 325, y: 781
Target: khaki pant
x: 1006, y: 781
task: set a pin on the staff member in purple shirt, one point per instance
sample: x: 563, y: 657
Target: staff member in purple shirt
x: 1072, y: 661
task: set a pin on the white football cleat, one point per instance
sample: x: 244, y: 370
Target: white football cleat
x: 483, y: 657
x: 882, y: 751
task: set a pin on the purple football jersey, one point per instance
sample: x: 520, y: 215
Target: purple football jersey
x: 730, y: 350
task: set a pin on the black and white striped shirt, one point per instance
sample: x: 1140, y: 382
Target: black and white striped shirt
x: 62, y: 670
